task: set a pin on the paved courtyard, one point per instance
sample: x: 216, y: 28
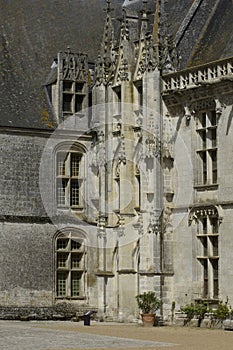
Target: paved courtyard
x: 33, y: 335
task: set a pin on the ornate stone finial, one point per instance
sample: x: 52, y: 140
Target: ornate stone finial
x: 168, y: 55
x: 144, y: 9
x: 68, y: 49
x: 109, y: 8
x: 105, y: 64
x: 124, y: 26
x: 100, y: 71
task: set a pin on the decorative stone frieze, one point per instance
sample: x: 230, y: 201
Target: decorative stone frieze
x: 203, y: 211
x: 210, y: 73
x: 101, y: 227
x: 73, y: 66
x: 123, y: 73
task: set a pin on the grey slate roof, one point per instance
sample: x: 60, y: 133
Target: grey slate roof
x: 204, y: 29
x: 32, y: 32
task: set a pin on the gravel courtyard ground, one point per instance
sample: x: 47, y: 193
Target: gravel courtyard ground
x: 33, y: 335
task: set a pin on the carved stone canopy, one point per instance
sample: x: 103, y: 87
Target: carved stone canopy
x: 199, y: 212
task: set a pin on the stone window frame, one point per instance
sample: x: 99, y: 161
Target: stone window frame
x: 73, y: 94
x: 70, y: 264
x: 67, y: 180
x: 207, y: 148
x: 208, y: 220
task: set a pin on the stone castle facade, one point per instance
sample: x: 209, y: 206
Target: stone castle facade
x: 132, y: 191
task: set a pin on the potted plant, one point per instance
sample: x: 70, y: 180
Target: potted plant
x: 148, y: 303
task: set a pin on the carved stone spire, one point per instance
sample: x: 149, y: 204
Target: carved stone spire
x: 122, y: 65
x: 108, y: 9
x: 106, y: 60
x: 124, y: 27
x: 168, y: 61
x: 146, y: 53
x: 144, y: 19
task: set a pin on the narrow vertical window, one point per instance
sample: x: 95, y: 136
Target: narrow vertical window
x: 209, y: 254
x: 207, y: 151
x: 117, y: 100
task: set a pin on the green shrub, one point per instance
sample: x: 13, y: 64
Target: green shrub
x: 199, y: 310
x: 222, y: 311
x: 189, y: 310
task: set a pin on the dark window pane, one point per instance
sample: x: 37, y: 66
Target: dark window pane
x: 75, y: 284
x: 74, y: 193
x: 78, y: 103
x: 75, y: 160
x: 67, y: 85
x: 67, y: 102
x: 79, y: 87
x: 61, y: 284
x: 61, y: 189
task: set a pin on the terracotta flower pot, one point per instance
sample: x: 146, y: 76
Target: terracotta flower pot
x: 148, y: 320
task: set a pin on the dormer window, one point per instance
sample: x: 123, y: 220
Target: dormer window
x: 72, y: 97
x: 67, y: 84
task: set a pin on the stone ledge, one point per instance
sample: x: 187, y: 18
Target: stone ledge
x: 62, y: 311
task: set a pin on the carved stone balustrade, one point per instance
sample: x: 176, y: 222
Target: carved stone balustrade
x: 189, y: 78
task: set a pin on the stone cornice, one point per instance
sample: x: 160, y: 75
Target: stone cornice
x: 45, y: 133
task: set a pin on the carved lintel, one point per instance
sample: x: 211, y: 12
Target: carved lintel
x: 204, y: 211
x: 73, y: 66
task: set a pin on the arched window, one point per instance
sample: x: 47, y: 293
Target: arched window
x: 70, y: 265
x: 69, y: 178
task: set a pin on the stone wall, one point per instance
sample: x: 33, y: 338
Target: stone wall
x: 26, y: 269
x: 20, y: 157
x: 61, y: 311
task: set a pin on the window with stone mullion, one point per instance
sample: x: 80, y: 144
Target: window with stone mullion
x: 207, y: 152
x: 208, y: 255
x: 70, y: 266
x: 68, y: 177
